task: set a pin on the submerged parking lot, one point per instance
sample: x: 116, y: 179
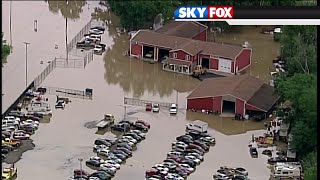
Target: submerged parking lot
x: 60, y: 143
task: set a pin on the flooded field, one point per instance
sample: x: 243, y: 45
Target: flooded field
x: 113, y: 76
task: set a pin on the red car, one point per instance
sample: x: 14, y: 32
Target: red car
x: 152, y: 172
x: 148, y: 107
x: 144, y: 123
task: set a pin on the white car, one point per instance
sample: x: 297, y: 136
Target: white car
x: 97, y: 159
x: 221, y: 176
x: 97, y: 147
x: 31, y: 121
x: 94, y: 178
x: 155, y: 108
x: 173, y: 177
x: 208, y: 139
x: 194, y: 159
x: 173, y: 109
x: 11, y: 118
x: 175, y: 143
x: 114, y: 163
x: 117, y: 166
x: 188, y: 167
x: 95, y: 31
x: 115, y: 159
x: 98, y: 49
x: 174, y: 153
x: 106, y: 150
x: 130, y: 139
x: 108, y: 166
x: 161, y: 167
x: 198, y: 156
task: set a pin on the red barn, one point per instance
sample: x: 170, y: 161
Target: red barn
x: 241, y: 95
x: 180, y: 54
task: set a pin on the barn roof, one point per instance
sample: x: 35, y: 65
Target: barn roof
x: 190, y: 46
x: 245, y: 87
x: 186, y: 29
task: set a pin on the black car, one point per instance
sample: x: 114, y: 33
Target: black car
x: 202, y: 145
x: 85, y: 44
x: 121, y: 127
x: 194, y: 151
x: 93, y: 163
x: 102, y: 142
x: 253, y: 152
x: 125, y: 150
x: 277, y: 159
x: 170, y: 160
x: 141, y: 127
x: 184, y: 137
x: 125, y: 145
x: 126, y: 122
x: 121, y: 156
x: 101, y: 175
x: 4, y: 151
x: 190, y: 162
x: 117, y: 151
x: 100, y: 28
x: 135, y: 136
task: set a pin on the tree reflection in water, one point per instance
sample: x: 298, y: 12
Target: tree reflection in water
x: 70, y: 10
x: 134, y: 75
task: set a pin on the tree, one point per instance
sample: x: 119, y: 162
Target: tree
x: 301, y: 90
x: 299, y: 49
x: 6, y: 49
x: 310, y: 165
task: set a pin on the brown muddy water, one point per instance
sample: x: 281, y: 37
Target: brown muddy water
x: 60, y: 143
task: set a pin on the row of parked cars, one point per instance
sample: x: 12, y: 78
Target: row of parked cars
x: 111, y: 153
x: 227, y: 173
x: 186, y: 154
x: 92, y: 40
x: 19, y: 125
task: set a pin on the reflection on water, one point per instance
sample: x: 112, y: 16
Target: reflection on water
x: 135, y: 75
x: 68, y: 9
x: 226, y: 126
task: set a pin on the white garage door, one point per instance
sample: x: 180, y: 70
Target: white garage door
x: 224, y: 65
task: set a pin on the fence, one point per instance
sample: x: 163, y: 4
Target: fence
x: 139, y: 102
x: 88, y: 58
x: 71, y: 63
x: 67, y: 92
x: 39, y: 79
x: 79, y: 36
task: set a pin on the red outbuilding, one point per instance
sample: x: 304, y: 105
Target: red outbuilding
x: 180, y: 46
x: 241, y: 95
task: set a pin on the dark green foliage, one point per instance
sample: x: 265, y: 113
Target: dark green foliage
x: 5, y: 49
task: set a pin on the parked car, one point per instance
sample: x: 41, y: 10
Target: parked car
x: 97, y: 147
x: 194, y: 159
x: 155, y: 107
x: 173, y: 109
x: 125, y: 145
x: 95, y: 31
x: 138, y: 132
x: 135, y: 136
x: 148, y: 107
x: 98, y: 49
x: 117, y: 151
x: 220, y: 176
x: 188, y: 167
x: 121, y: 127
x: 102, y: 141
x: 93, y: 163
x: 60, y: 104
x: 108, y: 168
x: 141, y: 127
x: 203, y: 145
x: 151, y: 172
x: 277, y: 159
x: 143, y: 123
x: 114, y: 163
x: 127, y: 141
x: 240, y: 177
x: 78, y: 172
x: 198, y: 156
x: 125, y: 150
x: 121, y: 156
x: 189, y: 162
x: 106, y: 150
x: 253, y: 152
x: 173, y: 176
x: 100, y: 28
x: 99, y: 159
x: 241, y: 171
x: 194, y: 151
x: 114, y: 158
x: 126, y: 122
x: 130, y: 138
x: 21, y: 136
x: 101, y: 175
x: 208, y: 140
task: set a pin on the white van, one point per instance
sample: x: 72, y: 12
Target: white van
x: 40, y: 104
x: 286, y: 172
x: 40, y: 110
x: 197, y: 125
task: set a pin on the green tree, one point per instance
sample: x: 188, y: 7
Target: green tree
x: 299, y: 49
x: 6, y: 49
x: 310, y: 166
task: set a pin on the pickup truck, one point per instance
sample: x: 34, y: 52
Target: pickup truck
x: 11, y: 142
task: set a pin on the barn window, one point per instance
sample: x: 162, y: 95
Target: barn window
x: 187, y: 57
x: 174, y: 55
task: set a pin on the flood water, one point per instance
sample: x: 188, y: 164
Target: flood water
x: 113, y: 76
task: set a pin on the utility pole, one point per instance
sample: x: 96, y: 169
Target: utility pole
x: 26, y: 43
x: 80, y: 160
x: 67, y: 55
x: 10, y: 25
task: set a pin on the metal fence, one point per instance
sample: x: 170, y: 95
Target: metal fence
x: 67, y: 92
x: 88, y: 58
x: 79, y: 36
x: 139, y: 102
x: 71, y: 63
x: 41, y: 77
